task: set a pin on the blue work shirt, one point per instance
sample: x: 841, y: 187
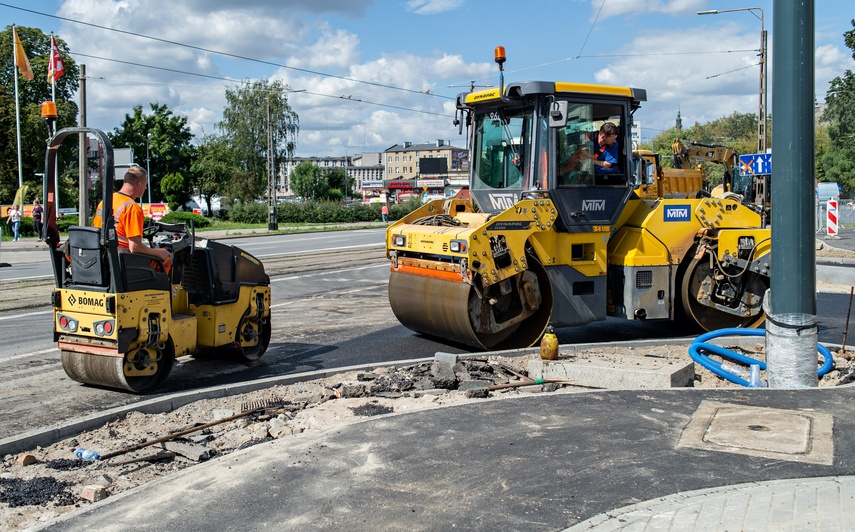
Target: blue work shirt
x: 608, y: 154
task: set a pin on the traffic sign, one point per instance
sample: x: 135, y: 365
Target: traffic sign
x: 756, y: 164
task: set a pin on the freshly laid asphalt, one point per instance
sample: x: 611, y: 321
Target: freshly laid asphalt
x: 599, y: 460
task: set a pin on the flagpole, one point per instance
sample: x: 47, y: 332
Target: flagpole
x: 52, y: 75
x: 17, y: 110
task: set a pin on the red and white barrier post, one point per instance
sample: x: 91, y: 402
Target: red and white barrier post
x: 831, y: 225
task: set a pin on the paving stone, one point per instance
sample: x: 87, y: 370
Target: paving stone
x: 25, y: 459
x: 93, y: 493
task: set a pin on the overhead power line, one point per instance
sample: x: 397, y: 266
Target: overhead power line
x: 227, y: 54
x: 237, y: 81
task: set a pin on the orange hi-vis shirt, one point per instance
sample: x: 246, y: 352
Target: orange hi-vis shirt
x: 128, y: 215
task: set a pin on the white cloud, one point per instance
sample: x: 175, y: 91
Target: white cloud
x: 432, y: 7
x: 333, y: 50
x: 614, y: 8
x: 706, y: 76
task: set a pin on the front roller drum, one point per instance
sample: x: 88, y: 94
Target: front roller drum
x: 140, y: 373
x: 432, y: 306
x: 447, y: 309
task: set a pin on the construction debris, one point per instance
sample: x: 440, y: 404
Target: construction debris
x: 140, y: 448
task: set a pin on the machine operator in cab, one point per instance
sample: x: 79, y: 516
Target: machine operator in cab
x: 605, y: 154
x: 129, y: 215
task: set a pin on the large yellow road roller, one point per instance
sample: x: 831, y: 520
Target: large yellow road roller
x: 121, y: 319
x: 551, y: 236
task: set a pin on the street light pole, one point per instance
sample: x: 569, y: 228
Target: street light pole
x: 147, y: 163
x: 272, y: 220
x: 761, y: 118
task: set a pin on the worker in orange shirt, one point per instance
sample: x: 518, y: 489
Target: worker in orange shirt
x: 129, y: 215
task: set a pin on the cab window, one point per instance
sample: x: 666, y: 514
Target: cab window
x: 578, y: 146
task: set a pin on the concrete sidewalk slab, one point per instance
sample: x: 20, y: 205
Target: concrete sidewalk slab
x: 817, y: 504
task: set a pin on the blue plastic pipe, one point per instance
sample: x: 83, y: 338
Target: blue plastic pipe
x: 699, y: 348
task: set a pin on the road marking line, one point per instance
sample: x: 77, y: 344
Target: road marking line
x: 321, y: 296
x: 16, y: 316
x: 28, y: 355
x: 324, y: 249
x: 328, y: 272
x: 27, y: 278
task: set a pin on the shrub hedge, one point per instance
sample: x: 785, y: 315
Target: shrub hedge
x: 184, y: 217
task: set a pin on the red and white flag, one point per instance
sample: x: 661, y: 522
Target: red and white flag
x: 56, y: 67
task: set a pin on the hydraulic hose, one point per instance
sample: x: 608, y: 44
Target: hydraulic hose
x: 699, y: 348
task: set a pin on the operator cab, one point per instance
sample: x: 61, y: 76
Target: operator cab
x: 540, y: 138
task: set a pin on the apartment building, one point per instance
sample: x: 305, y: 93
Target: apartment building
x: 366, y: 169
x: 432, y: 168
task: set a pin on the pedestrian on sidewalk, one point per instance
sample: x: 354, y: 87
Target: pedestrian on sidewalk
x: 384, y: 212
x: 14, y: 219
x: 38, y: 210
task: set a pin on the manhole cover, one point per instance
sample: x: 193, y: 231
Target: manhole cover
x: 793, y: 435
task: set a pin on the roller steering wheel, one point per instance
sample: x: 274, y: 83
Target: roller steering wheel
x: 148, y: 233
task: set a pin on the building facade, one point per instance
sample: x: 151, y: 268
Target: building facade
x: 365, y: 170
x: 429, y: 169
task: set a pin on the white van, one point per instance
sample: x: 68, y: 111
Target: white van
x: 827, y: 191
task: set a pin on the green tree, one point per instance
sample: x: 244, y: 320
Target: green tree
x: 339, y: 184
x: 31, y: 93
x: 737, y: 131
x: 307, y: 181
x: 838, y: 162
x: 176, y: 190
x: 214, y: 168
x: 245, y: 127
x: 167, y: 137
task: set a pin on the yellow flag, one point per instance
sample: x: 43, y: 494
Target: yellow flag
x: 20, y: 195
x: 21, y: 57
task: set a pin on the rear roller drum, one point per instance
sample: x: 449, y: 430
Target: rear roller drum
x: 141, y: 370
x: 706, y: 293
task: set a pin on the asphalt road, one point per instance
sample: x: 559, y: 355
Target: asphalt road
x: 330, y: 310
x: 33, y: 261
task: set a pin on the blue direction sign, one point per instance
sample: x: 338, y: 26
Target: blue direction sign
x: 756, y: 164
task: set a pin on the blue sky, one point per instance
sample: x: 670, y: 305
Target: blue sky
x: 378, y: 73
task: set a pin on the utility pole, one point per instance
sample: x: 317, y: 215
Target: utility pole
x: 83, y: 167
x: 272, y: 222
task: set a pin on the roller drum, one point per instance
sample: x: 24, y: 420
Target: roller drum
x: 432, y: 306
x: 445, y: 308
x: 108, y: 371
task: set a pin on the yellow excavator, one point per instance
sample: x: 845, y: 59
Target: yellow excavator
x: 549, y: 238
x: 122, y: 319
